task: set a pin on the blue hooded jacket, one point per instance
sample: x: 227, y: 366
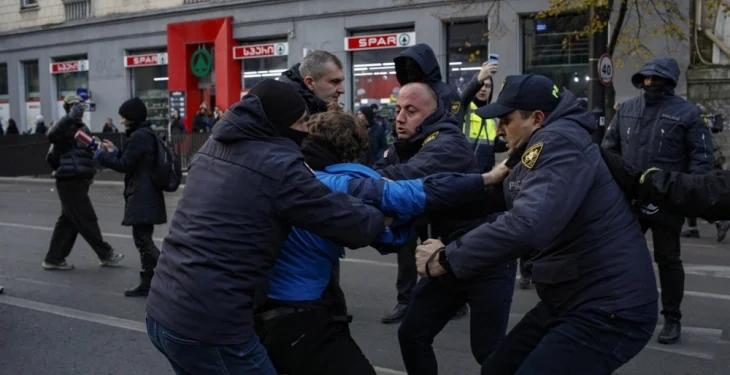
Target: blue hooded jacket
x: 304, y: 266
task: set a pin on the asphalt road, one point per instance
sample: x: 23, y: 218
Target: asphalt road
x: 79, y: 322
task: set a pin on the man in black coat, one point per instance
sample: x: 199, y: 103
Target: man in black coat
x: 144, y: 202
x: 73, y: 167
x: 246, y: 187
x: 659, y: 129
x: 319, y: 79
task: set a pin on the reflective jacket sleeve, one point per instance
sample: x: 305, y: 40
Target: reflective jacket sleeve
x: 306, y: 203
x: 549, y: 197
x: 692, y: 195
x: 699, y: 144
x: 443, y: 153
x: 612, y: 138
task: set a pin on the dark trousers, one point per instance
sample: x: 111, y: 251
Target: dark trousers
x: 148, y: 251
x: 665, y: 232
x: 77, y: 217
x: 407, y: 272
x: 436, y: 300
x: 525, y: 271
x: 310, y: 343
x: 692, y: 222
x: 191, y: 357
x: 588, y: 341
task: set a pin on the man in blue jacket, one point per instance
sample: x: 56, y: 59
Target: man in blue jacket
x: 430, y: 141
x: 592, y: 269
x: 304, y: 322
x: 246, y: 187
x: 659, y: 129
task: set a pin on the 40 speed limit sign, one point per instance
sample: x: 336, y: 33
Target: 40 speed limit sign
x: 605, y: 69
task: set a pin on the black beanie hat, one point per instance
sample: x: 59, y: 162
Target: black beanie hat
x: 134, y: 110
x: 283, y: 105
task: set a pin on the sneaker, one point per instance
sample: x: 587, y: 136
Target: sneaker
x: 112, y: 261
x: 691, y: 233
x: 671, y: 331
x: 722, y: 228
x: 395, y: 316
x: 63, y: 266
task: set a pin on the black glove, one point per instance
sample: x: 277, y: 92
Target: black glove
x: 624, y: 173
x: 77, y: 111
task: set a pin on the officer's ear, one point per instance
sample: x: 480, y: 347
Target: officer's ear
x: 539, y: 118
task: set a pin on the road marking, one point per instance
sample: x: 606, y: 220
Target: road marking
x: 131, y: 325
x: 685, y: 352
x: 371, y: 262
x: 686, y: 244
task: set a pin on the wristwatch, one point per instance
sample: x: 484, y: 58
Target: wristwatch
x: 443, y: 261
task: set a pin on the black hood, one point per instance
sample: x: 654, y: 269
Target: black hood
x: 569, y: 109
x: 246, y: 120
x: 664, y: 67
x: 425, y: 60
x: 292, y: 77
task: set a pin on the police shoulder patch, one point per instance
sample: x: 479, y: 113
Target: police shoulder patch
x: 529, y: 158
x: 455, y: 106
x: 430, y: 138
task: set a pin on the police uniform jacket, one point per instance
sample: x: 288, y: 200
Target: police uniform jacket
x: 245, y: 189
x: 562, y: 201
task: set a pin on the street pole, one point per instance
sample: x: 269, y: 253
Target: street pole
x: 598, y: 45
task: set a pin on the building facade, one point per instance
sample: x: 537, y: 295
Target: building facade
x: 178, y: 54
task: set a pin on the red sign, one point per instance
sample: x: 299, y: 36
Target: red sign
x: 260, y: 50
x: 69, y: 66
x: 151, y: 59
x: 379, y: 41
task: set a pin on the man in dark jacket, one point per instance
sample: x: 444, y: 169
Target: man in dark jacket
x: 144, y: 202
x: 430, y: 141
x: 73, y: 167
x: 245, y: 189
x: 376, y: 136
x: 592, y: 271
x: 319, y: 78
x: 419, y: 64
x: 659, y: 129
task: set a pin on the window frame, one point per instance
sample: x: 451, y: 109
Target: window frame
x: 24, y: 4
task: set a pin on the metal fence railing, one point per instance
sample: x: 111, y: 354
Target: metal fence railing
x: 187, y: 145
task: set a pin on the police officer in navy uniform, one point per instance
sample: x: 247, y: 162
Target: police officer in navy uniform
x: 660, y: 129
x: 592, y: 268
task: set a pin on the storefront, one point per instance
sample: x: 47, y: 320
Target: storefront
x: 148, y: 81
x: 373, y: 69
x: 261, y: 61
x: 71, y: 76
x: 551, y: 48
x: 468, y: 49
x: 32, y: 89
x: 4, y: 96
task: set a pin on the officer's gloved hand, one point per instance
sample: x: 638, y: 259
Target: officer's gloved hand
x: 77, y: 111
x: 624, y: 173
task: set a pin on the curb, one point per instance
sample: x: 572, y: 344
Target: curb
x: 45, y: 181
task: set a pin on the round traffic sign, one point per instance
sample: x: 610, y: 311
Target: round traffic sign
x: 605, y: 69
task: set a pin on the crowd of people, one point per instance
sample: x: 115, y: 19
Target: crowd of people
x: 247, y: 280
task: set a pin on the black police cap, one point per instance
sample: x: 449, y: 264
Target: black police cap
x: 527, y: 92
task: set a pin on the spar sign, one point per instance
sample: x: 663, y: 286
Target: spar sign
x: 70, y: 66
x: 380, y: 41
x: 150, y: 59
x: 260, y: 50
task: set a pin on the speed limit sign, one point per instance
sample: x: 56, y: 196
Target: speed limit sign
x: 605, y: 69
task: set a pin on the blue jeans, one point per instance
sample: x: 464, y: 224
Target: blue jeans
x: 587, y: 341
x: 191, y: 357
x: 436, y: 300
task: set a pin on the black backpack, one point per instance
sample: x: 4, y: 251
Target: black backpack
x: 168, y: 168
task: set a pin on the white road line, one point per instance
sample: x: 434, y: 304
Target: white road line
x: 131, y: 325
x: 677, y: 350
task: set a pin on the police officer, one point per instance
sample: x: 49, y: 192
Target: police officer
x: 592, y: 270
x: 319, y: 78
x: 660, y: 129
x: 73, y: 167
x: 213, y: 269
x: 430, y: 141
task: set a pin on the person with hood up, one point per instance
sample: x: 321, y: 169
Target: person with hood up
x: 73, y: 168
x: 319, y: 79
x: 316, y: 339
x: 144, y: 202
x: 419, y: 64
x: 12, y: 128
x: 246, y: 188
x: 429, y: 142
x: 40, y: 125
x: 376, y: 135
x: 592, y: 270
x: 661, y: 130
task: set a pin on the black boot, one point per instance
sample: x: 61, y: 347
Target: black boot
x: 671, y: 331
x: 141, y: 290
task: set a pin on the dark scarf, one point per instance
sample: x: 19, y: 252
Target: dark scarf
x: 319, y: 154
x: 657, y: 94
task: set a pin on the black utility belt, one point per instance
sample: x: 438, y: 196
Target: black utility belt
x: 278, y: 312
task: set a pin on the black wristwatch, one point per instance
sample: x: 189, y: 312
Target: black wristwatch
x: 443, y: 261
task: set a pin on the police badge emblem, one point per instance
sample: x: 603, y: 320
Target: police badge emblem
x: 529, y: 158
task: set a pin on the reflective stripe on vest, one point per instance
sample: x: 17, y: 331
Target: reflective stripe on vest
x: 472, y: 127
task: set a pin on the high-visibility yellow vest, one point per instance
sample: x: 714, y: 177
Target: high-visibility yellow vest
x: 477, y: 128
